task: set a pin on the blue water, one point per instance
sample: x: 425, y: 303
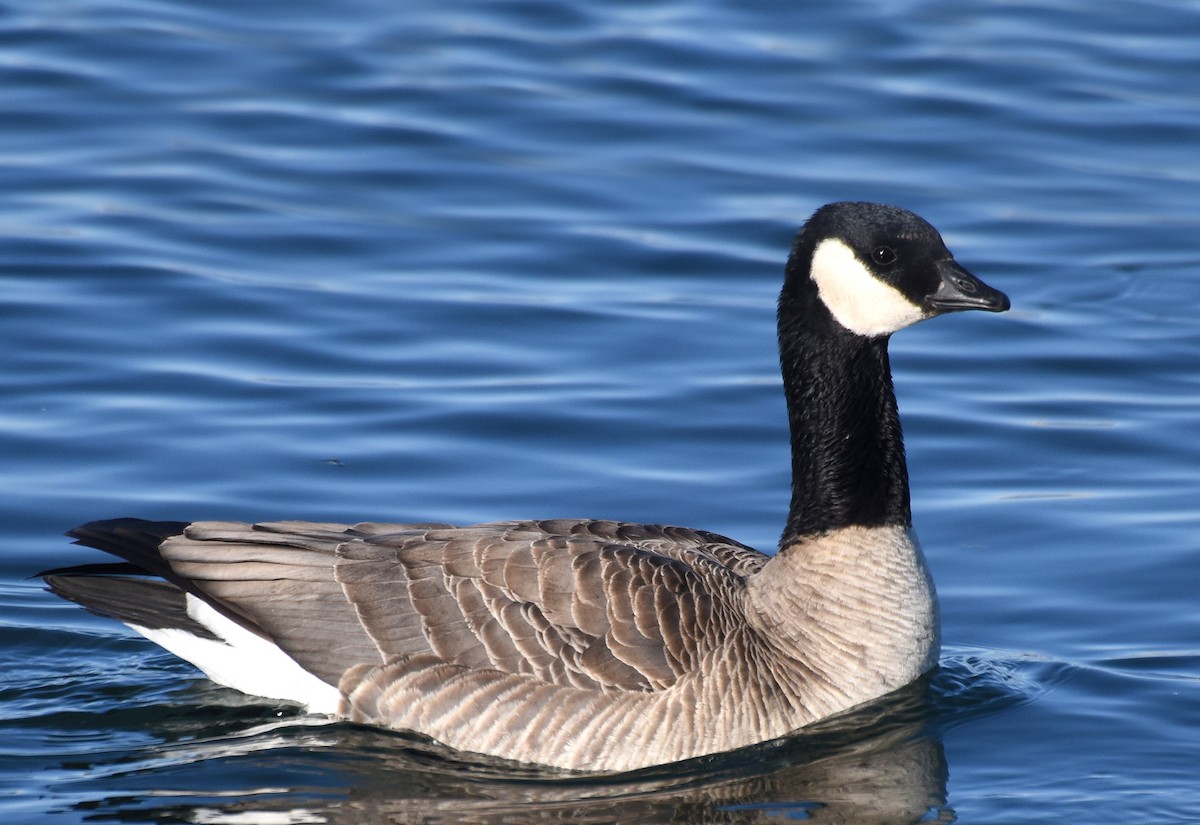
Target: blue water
x: 483, y: 260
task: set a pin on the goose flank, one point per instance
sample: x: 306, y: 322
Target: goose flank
x: 597, y: 645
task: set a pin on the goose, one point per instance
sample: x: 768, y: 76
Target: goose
x: 590, y: 645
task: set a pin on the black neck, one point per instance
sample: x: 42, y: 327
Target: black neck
x: 848, y: 465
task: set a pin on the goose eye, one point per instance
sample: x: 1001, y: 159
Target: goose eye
x: 883, y: 255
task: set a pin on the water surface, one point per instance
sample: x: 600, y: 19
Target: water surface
x: 474, y: 261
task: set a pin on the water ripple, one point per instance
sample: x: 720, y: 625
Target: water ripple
x: 357, y: 260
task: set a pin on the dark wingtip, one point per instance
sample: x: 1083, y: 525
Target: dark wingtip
x: 125, y: 527
x: 134, y: 540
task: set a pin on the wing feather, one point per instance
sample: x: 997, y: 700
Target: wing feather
x: 572, y: 603
x: 584, y: 604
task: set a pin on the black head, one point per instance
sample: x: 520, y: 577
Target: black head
x: 876, y: 269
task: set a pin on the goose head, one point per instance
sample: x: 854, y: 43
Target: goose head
x: 870, y: 270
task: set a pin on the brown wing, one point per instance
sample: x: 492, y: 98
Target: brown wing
x: 277, y: 579
x: 572, y: 603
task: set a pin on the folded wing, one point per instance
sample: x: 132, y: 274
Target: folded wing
x: 583, y: 604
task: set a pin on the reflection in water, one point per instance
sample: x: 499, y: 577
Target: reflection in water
x: 883, y: 764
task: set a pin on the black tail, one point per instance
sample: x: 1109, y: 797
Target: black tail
x: 148, y: 603
x: 142, y: 590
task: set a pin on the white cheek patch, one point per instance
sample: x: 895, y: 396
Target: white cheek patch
x: 857, y: 299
